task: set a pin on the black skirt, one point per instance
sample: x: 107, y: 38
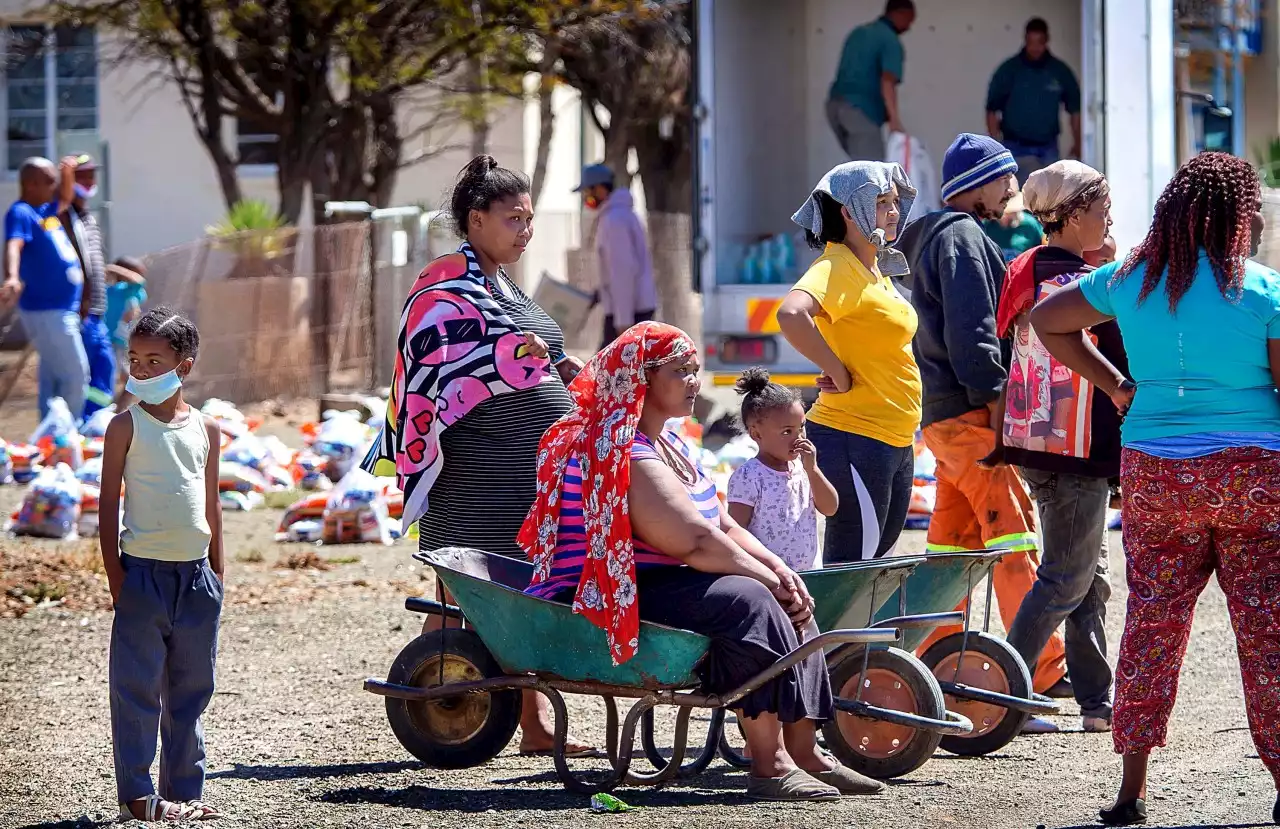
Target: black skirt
x: 749, y: 632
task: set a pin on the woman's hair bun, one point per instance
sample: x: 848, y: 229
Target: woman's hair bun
x: 479, y: 167
x: 753, y: 381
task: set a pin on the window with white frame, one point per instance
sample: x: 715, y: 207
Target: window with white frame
x: 50, y: 86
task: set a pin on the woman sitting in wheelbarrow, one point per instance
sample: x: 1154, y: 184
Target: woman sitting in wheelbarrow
x: 627, y: 526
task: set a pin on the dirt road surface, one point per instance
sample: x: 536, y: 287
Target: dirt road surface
x: 294, y: 742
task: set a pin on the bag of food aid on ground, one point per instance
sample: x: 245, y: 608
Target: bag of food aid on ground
x: 310, y: 508
x: 90, y: 498
x: 51, y: 507
x: 6, y: 464
x: 356, y: 511
x: 58, y: 438
x: 249, y: 451
x: 95, y: 426
x: 340, y: 441
x: 25, y: 459
x: 91, y: 472
x: 235, y: 477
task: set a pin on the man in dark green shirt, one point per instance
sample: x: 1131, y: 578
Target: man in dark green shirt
x: 1024, y: 99
x: 864, y: 94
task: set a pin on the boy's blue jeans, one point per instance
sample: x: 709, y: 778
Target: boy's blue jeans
x: 164, y: 642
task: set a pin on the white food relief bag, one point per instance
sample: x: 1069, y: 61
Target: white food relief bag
x: 913, y: 156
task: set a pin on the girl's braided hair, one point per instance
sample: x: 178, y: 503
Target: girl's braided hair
x: 1209, y: 205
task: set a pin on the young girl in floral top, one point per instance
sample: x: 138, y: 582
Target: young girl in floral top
x: 778, y: 494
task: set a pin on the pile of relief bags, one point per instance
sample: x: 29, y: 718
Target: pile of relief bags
x: 329, y: 499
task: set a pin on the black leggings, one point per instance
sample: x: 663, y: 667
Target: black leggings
x: 873, y: 480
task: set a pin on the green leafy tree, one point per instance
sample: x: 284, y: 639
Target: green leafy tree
x: 331, y: 79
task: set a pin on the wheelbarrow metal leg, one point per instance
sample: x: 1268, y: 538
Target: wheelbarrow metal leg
x: 672, y: 768
x: 610, y: 780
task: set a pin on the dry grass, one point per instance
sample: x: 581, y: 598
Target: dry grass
x: 305, y: 560
x: 350, y: 559
x: 253, y: 555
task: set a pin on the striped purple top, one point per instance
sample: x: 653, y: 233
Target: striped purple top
x: 571, y: 536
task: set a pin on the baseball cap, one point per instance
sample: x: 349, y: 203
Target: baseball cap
x: 593, y: 175
x: 86, y: 162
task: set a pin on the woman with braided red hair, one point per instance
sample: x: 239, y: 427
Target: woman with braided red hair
x: 1200, y: 468
x: 626, y: 525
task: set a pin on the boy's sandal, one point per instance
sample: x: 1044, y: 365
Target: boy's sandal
x: 202, y: 811
x: 155, y: 808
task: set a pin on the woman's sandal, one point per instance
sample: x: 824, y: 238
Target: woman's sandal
x: 1127, y: 813
x: 796, y: 786
x: 202, y: 811
x: 156, y: 809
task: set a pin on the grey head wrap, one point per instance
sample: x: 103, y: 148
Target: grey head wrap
x: 856, y: 185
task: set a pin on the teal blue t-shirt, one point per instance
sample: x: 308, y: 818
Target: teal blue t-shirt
x: 870, y: 51
x: 1203, y: 368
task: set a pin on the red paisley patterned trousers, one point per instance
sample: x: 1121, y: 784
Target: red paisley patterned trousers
x: 1185, y: 520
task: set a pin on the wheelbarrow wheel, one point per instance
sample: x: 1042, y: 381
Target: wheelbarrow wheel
x: 895, y: 680
x: 990, y: 664
x: 457, y: 732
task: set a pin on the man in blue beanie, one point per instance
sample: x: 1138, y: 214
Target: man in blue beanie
x: 957, y: 274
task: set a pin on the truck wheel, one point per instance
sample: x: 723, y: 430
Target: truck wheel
x: 990, y: 664
x: 895, y: 680
x: 457, y: 732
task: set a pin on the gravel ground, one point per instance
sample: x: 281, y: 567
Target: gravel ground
x: 294, y: 741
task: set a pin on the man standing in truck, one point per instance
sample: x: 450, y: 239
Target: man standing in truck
x: 1023, y: 101
x: 864, y: 95
x: 622, y: 249
x: 957, y: 275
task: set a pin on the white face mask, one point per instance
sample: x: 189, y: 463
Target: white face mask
x: 155, y: 390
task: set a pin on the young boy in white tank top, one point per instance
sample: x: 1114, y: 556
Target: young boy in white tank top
x: 164, y: 566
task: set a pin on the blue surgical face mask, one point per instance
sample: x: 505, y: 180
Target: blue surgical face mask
x: 86, y: 193
x: 154, y: 390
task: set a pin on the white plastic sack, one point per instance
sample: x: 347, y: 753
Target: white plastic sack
x: 356, y: 511
x: 911, y: 153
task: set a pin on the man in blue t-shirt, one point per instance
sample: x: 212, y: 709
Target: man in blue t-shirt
x: 864, y: 94
x: 42, y: 272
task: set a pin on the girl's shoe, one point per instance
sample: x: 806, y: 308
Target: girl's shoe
x: 1128, y: 813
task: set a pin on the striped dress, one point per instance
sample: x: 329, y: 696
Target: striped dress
x: 571, y: 537
x: 489, y: 474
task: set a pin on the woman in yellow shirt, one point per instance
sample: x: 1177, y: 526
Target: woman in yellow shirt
x: 846, y: 315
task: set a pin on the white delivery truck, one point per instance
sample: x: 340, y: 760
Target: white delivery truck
x: 763, y: 68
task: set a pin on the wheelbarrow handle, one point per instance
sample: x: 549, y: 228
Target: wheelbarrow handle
x: 953, y: 724
x: 1042, y: 706
x: 924, y: 620
x: 432, y: 607
x: 861, y: 636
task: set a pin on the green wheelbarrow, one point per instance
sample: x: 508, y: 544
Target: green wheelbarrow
x: 981, y: 677
x: 899, y: 696
x: 453, y: 696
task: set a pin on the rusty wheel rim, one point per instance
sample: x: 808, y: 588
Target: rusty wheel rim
x: 453, y: 720
x: 977, y: 671
x: 873, y: 738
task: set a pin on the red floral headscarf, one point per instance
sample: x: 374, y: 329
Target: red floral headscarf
x: 609, y: 395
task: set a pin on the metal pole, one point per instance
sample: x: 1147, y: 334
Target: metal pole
x: 1237, y: 84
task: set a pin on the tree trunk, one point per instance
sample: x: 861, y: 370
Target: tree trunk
x: 477, y: 84
x: 666, y: 172
x: 546, y: 123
